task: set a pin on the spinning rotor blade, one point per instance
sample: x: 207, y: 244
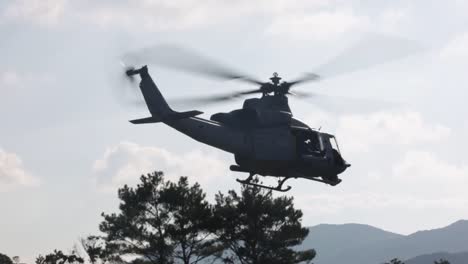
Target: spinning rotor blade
x: 204, y: 100
x: 300, y: 94
x: 306, y: 78
x: 344, y: 104
x: 124, y: 87
x: 370, y: 51
x: 179, y: 58
x: 195, y: 101
x: 286, y: 86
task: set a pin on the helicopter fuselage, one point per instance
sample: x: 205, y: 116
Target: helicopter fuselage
x: 263, y: 136
x: 278, y: 144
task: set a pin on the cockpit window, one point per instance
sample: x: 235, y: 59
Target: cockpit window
x: 309, y: 142
x: 334, y: 144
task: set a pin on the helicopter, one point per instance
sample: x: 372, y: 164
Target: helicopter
x: 264, y: 137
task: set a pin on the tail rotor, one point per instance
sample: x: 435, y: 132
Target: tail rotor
x: 125, y: 86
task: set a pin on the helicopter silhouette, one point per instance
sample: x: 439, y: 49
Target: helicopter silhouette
x: 263, y: 135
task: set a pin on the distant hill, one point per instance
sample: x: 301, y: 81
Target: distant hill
x: 453, y: 258
x: 330, y: 240
x: 363, y: 244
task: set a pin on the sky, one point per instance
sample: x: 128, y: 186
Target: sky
x: 66, y: 144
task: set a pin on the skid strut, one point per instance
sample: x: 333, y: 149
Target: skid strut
x: 332, y: 183
x: 251, y: 181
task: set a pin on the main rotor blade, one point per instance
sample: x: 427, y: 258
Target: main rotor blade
x: 301, y: 94
x: 370, y: 51
x: 204, y: 100
x: 179, y: 58
x: 198, y: 100
x: 346, y: 105
x: 286, y: 86
x: 305, y: 78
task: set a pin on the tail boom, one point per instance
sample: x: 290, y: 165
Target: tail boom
x: 205, y: 131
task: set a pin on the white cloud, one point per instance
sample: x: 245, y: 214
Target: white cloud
x: 150, y: 15
x: 162, y: 15
x: 317, y: 20
x: 9, y: 79
x: 408, y: 179
x: 125, y: 162
x: 318, y: 25
x: 416, y: 185
x: 15, y: 82
x: 360, y: 132
x: 12, y: 172
x: 333, y: 203
x: 428, y: 169
x: 42, y: 12
x: 294, y: 17
x: 392, y: 20
x: 456, y: 49
x: 418, y: 180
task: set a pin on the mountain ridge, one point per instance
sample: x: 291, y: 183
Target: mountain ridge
x: 453, y: 258
x: 365, y: 244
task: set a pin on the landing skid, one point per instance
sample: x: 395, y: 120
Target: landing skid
x: 332, y: 183
x: 252, y: 182
x: 321, y: 179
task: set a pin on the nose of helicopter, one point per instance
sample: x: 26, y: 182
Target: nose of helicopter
x: 343, y: 167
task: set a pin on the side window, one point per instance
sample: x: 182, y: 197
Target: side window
x: 313, y: 142
x: 334, y: 144
x: 309, y: 143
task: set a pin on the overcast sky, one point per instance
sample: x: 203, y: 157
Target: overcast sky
x: 66, y: 143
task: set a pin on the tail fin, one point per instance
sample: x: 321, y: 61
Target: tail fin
x: 156, y: 103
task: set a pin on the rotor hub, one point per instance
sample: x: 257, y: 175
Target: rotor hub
x: 275, y: 79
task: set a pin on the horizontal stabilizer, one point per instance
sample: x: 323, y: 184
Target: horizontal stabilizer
x: 182, y: 115
x: 169, y: 117
x: 146, y: 120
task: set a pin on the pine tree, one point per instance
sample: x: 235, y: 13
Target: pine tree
x: 160, y: 221
x: 256, y: 228
x: 4, y: 259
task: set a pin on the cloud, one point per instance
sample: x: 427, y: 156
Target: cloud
x: 125, y: 162
x: 150, y: 15
x: 14, y: 82
x: 42, y: 12
x: 318, y: 25
x: 163, y: 15
x: 12, y: 172
x: 9, y: 79
x: 419, y: 180
x: 456, y: 49
x: 427, y: 168
x: 294, y: 17
x: 360, y: 132
x: 334, y: 203
x: 408, y: 180
x: 317, y: 20
x: 418, y: 184
x: 391, y: 20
